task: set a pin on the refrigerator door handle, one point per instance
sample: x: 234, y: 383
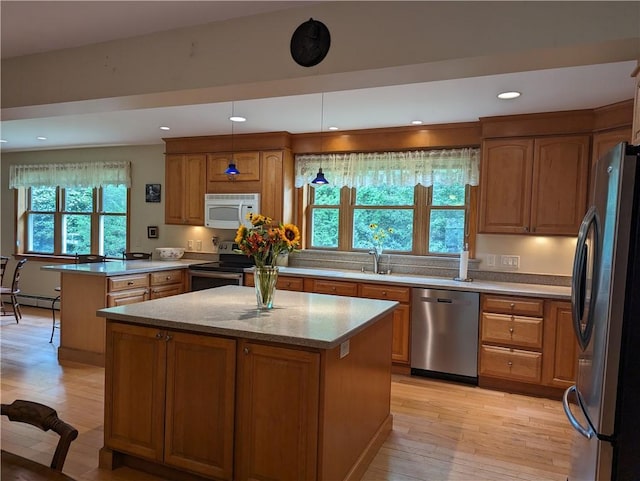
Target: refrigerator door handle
x: 586, y: 432
x: 579, y: 277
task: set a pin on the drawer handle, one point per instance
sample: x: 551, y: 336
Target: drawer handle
x: 130, y: 283
x: 511, y: 330
x: 512, y: 305
x: 333, y: 288
x: 384, y: 293
x: 510, y: 364
x: 168, y: 278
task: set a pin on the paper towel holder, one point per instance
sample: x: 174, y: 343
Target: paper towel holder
x: 459, y: 278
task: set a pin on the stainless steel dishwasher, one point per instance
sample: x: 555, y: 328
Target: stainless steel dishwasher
x: 444, y: 334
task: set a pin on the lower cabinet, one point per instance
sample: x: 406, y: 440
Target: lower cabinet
x: 526, y: 344
x: 278, y: 392
x: 166, y: 283
x: 157, y: 406
x: 122, y: 290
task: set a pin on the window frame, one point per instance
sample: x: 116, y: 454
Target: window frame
x: 421, y: 210
x: 23, y: 210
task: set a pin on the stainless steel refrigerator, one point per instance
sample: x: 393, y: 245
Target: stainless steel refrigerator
x: 604, y: 405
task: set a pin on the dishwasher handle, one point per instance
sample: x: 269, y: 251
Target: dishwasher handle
x: 443, y: 300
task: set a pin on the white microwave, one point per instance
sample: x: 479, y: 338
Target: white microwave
x: 228, y: 211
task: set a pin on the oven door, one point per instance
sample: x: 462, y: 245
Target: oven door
x: 199, y: 280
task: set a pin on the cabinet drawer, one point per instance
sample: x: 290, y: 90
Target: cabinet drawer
x: 166, y: 277
x: 514, y: 330
x: 290, y: 283
x: 127, y: 282
x: 508, y: 363
x: 514, y: 305
x: 166, y: 291
x: 131, y: 296
x: 338, y: 288
x: 390, y: 293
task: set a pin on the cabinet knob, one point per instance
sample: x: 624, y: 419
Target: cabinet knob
x: 168, y: 338
x: 159, y: 335
x: 333, y: 288
x: 130, y: 283
x: 512, y: 305
x: 511, y: 330
x: 384, y: 293
x: 526, y: 228
x: 246, y: 350
x: 168, y: 278
x: 509, y: 364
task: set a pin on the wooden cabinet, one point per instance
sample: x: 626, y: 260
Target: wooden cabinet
x: 534, y: 186
x: 248, y: 163
x: 166, y: 283
x: 329, y: 286
x: 285, y: 383
x: 511, y: 338
x: 157, y: 405
x: 560, y: 363
x: 185, y: 181
x: 286, y: 283
x: 401, y: 316
x: 527, y: 345
x: 122, y: 290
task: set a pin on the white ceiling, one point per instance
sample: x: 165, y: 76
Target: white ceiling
x: 55, y: 24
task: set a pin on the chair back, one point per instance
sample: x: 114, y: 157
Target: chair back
x: 15, y: 289
x: 130, y: 256
x: 45, y: 418
x: 89, y: 258
x: 3, y: 267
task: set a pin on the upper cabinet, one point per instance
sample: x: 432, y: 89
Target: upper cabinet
x: 185, y: 180
x: 534, y: 186
x: 265, y: 163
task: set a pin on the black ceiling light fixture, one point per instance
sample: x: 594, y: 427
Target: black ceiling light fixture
x: 320, y: 178
x: 232, y: 172
x: 310, y: 43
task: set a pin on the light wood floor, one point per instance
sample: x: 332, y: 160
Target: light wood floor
x: 441, y: 431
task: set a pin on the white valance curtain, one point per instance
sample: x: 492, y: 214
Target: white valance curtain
x: 391, y: 168
x: 81, y: 174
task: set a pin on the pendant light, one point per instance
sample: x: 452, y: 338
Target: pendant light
x: 320, y: 179
x: 232, y: 171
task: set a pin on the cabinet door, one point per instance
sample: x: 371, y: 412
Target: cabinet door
x: 134, y: 390
x: 505, y: 186
x: 400, y: 339
x: 277, y: 418
x: 200, y: 404
x: 271, y: 201
x: 602, y: 143
x: 635, y: 130
x: 165, y: 291
x: 248, y: 163
x: 560, y: 177
x: 560, y: 346
x: 122, y: 298
x: 195, y: 182
x: 185, y: 181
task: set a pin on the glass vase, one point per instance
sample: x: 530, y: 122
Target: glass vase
x: 265, y: 279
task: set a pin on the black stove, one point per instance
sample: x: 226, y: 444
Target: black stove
x: 230, y: 260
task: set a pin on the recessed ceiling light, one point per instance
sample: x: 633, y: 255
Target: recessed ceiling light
x: 41, y: 138
x: 164, y: 127
x: 416, y: 122
x: 333, y: 127
x: 2, y: 141
x: 509, y: 95
x: 237, y: 118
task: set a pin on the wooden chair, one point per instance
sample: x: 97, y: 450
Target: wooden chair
x: 14, y: 290
x: 80, y: 259
x: 3, y: 266
x: 45, y: 418
x: 130, y: 256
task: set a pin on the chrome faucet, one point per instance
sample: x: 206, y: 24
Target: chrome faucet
x: 376, y: 260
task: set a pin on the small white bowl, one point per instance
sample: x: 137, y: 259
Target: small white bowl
x: 170, y: 253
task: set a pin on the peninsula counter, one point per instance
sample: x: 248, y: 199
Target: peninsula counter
x: 205, y: 386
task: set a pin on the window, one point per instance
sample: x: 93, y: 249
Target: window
x: 424, y: 198
x: 70, y: 208
x: 74, y: 220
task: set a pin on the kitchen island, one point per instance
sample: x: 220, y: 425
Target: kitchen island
x: 205, y: 386
x: 85, y: 288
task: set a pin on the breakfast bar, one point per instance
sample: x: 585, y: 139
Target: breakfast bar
x: 206, y: 386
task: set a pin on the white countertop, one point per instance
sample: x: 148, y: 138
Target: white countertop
x: 117, y: 267
x: 298, y: 318
x: 413, y: 280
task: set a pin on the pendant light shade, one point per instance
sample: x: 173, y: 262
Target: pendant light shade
x: 320, y: 180
x: 232, y: 170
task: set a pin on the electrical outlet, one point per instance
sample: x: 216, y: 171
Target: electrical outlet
x: 344, y: 349
x: 510, y: 262
x: 491, y: 260
x: 198, y: 245
x: 190, y: 245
